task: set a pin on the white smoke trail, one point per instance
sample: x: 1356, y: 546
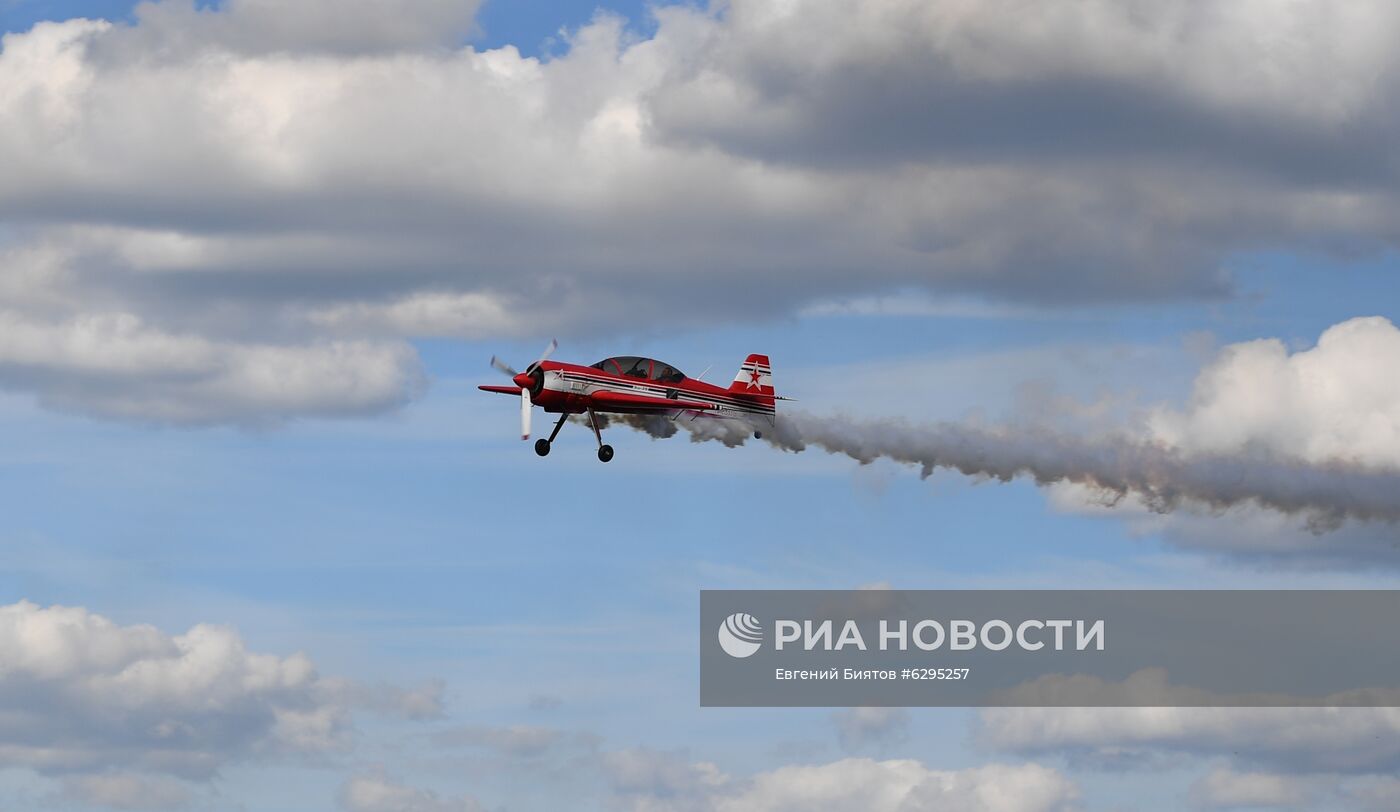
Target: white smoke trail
x: 1163, y: 478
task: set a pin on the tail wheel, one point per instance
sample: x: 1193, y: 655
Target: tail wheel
x: 605, y: 453
x: 542, y: 447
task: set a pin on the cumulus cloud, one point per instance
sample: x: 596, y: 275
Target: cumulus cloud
x: 968, y: 63
x: 116, y: 365
x: 375, y: 792
x: 1338, y: 400
x: 264, y: 174
x: 82, y: 694
x: 657, y: 782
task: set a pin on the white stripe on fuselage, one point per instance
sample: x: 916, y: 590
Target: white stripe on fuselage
x: 597, y: 383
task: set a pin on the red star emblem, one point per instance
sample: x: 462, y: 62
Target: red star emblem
x: 753, y: 379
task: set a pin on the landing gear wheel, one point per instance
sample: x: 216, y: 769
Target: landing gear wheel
x: 758, y: 435
x: 605, y: 453
x: 542, y: 447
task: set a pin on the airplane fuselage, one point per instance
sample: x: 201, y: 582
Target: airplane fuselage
x: 570, y: 387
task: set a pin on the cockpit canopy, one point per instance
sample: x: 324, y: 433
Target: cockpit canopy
x: 645, y: 368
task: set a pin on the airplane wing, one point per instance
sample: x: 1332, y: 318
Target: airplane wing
x: 504, y: 390
x: 605, y: 400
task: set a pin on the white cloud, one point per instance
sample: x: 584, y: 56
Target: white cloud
x: 648, y: 781
x: 116, y: 365
x: 971, y: 60
x: 82, y: 694
x: 1338, y: 400
x: 423, y: 314
x: 374, y: 792
x: 653, y: 780
x: 874, y: 786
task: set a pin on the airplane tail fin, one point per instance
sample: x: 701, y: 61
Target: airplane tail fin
x: 755, y: 380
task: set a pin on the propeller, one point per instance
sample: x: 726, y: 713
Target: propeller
x: 544, y: 356
x: 526, y: 381
x: 503, y: 367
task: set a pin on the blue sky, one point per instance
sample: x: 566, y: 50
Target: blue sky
x: 419, y: 542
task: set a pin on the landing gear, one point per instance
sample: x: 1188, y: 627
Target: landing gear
x: 542, y: 445
x: 605, y: 452
x: 758, y: 435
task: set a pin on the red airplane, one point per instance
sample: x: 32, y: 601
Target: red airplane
x: 628, y: 384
